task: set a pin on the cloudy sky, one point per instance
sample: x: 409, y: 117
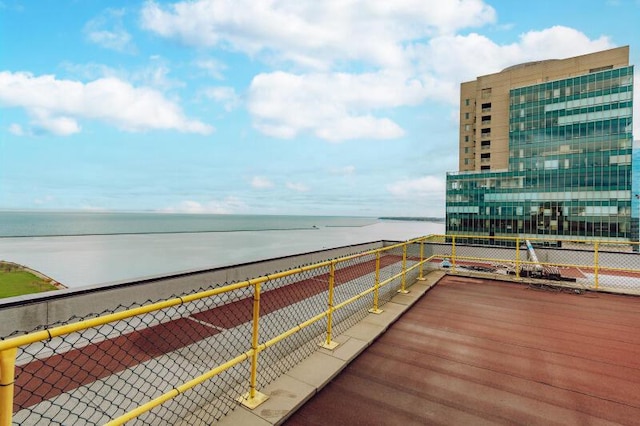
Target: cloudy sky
x: 261, y: 106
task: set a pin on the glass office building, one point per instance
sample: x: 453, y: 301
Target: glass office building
x: 570, y: 157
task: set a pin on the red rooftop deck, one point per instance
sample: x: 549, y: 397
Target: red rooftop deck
x: 475, y: 352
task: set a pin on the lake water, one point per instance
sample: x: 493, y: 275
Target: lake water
x: 39, y: 223
x: 96, y: 248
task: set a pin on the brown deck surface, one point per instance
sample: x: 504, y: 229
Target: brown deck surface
x: 474, y: 352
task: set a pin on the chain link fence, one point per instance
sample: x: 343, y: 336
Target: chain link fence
x: 99, y: 367
x: 578, y: 265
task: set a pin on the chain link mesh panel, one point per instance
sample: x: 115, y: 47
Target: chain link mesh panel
x: 581, y: 265
x: 94, y: 375
x: 91, y: 376
x: 100, y: 373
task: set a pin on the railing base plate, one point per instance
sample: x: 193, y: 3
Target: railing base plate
x: 252, y: 403
x: 403, y: 291
x: 376, y: 311
x: 331, y: 345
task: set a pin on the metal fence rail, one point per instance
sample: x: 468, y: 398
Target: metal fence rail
x: 581, y: 264
x: 195, y: 354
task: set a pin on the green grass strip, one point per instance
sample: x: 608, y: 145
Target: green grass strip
x: 15, y: 282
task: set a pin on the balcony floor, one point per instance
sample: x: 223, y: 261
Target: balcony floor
x: 475, y: 351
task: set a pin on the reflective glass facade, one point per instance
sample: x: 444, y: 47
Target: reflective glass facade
x: 570, y: 165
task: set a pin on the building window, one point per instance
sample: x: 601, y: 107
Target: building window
x: 486, y: 93
x: 486, y: 107
x: 466, y: 115
x: 466, y: 102
x: 466, y: 150
x: 485, y: 167
x: 467, y: 127
x: 485, y: 155
x: 466, y: 161
x: 466, y: 138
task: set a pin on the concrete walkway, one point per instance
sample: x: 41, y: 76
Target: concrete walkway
x: 292, y: 390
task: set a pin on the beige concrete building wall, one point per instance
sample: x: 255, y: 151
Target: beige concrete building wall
x: 466, y: 158
x: 484, y: 104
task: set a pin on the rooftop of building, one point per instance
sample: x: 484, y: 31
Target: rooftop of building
x: 481, y: 351
x: 528, y: 64
x: 488, y: 335
x: 621, y: 53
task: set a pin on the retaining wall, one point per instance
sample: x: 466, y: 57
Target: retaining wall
x: 26, y: 313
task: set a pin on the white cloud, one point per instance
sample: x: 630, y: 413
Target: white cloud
x: 225, y: 95
x: 340, y: 106
x: 332, y: 106
x: 90, y: 71
x: 60, y: 125
x: 314, y: 34
x: 343, y: 171
x: 559, y: 42
x: 260, y: 182
x: 424, y: 186
x: 154, y: 74
x: 44, y: 200
x: 228, y: 205
x: 451, y: 59
x: 212, y: 67
x: 56, y: 105
x: 17, y: 130
x: 107, y: 30
x: 409, y: 51
x: 297, y: 186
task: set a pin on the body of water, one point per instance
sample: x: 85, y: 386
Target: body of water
x: 46, y: 224
x: 84, y: 249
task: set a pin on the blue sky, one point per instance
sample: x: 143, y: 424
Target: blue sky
x: 261, y: 107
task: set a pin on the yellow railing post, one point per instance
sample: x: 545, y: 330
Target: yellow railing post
x: 453, y: 254
x: 517, y: 257
x: 328, y: 343
x: 420, y: 270
x: 254, y: 398
x: 7, y: 377
x: 595, y: 263
x: 403, y: 290
x: 375, y: 309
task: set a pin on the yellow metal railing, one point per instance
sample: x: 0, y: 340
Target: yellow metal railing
x: 595, y: 260
x: 9, y: 347
x: 580, y: 259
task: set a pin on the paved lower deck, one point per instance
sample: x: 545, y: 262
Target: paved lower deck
x: 476, y: 351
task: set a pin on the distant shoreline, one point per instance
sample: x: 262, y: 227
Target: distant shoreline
x: 161, y: 232
x: 415, y: 219
x: 40, y: 224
